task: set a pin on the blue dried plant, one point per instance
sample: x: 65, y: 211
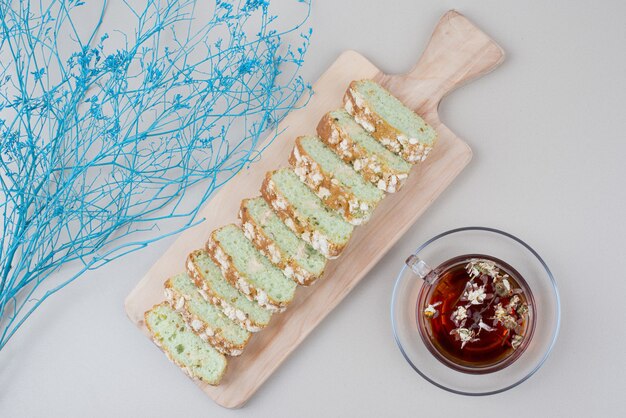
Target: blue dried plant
x: 105, y: 130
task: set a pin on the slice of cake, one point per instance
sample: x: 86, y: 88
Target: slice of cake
x: 181, y: 345
x: 249, y: 270
x: 214, y: 288
x: 205, y: 319
x: 335, y: 182
x: 385, y: 117
x: 304, y: 213
x: 367, y: 156
x: 295, y: 257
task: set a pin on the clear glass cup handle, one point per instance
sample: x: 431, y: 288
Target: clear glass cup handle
x: 420, y: 268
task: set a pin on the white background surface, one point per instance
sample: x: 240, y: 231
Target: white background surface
x: 548, y: 133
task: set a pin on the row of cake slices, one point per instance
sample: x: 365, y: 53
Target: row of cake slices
x: 305, y: 215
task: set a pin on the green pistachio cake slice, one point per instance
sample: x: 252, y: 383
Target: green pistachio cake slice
x: 296, y: 258
x: 304, y: 213
x: 249, y: 270
x: 205, y: 319
x: 389, y: 121
x: 214, y: 288
x: 332, y: 180
x: 182, y: 346
x: 357, y: 147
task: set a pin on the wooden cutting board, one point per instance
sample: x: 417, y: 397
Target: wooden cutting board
x: 457, y: 52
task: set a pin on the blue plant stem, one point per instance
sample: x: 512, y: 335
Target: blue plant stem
x: 101, y: 145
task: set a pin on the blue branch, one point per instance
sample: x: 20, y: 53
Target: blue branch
x: 99, y: 145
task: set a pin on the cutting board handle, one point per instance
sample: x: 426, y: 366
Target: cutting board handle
x: 457, y: 52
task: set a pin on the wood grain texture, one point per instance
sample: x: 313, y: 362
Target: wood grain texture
x: 456, y: 53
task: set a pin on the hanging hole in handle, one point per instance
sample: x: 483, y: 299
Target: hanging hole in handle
x: 421, y: 269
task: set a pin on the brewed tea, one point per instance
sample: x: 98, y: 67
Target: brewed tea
x: 477, y: 316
